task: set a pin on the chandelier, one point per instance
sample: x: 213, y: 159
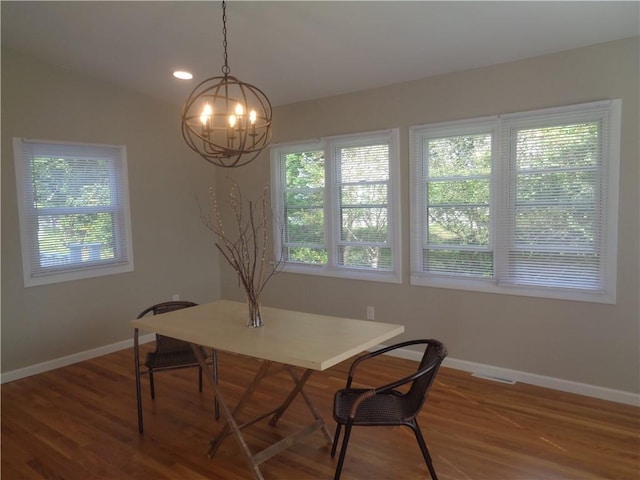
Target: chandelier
x: 225, y: 120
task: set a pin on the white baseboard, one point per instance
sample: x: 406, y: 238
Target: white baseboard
x: 506, y: 375
x: 71, y: 359
x: 477, y: 368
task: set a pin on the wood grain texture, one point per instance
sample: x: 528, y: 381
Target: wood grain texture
x: 79, y: 422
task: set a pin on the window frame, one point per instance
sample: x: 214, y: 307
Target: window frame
x: 501, y: 176
x: 331, y: 206
x: 442, y: 130
x: 28, y: 216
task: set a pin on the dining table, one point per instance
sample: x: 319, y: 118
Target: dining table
x: 299, y: 343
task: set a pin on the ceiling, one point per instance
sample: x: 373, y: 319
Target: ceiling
x: 301, y: 50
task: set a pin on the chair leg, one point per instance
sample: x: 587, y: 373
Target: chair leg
x: 200, y: 379
x: 138, y: 386
x: 214, y: 356
x: 343, y: 450
x: 153, y: 390
x: 139, y: 402
x: 424, y: 449
x: 335, y: 440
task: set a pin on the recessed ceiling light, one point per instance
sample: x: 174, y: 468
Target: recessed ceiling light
x: 182, y: 75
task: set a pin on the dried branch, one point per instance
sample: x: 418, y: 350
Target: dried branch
x: 246, y: 251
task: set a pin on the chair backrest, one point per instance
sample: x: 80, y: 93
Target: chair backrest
x: 168, y: 344
x: 433, y: 356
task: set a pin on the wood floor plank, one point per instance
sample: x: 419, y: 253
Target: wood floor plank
x: 79, y: 422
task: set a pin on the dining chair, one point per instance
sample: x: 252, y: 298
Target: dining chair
x: 169, y: 354
x: 386, y: 405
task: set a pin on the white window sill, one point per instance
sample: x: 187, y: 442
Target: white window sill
x: 347, y: 273
x: 490, y: 286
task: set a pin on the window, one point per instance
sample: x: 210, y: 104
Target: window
x: 338, y: 203
x: 522, y: 203
x: 74, y: 210
x: 456, y: 189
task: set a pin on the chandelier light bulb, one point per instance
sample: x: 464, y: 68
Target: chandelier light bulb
x: 207, y: 112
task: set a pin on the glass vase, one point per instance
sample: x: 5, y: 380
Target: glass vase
x: 255, y: 319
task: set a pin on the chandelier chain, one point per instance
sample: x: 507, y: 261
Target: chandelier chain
x: 225, y: 69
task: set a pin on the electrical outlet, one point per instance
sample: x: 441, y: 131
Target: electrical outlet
x: 176, y: 297
x: 371, y: 313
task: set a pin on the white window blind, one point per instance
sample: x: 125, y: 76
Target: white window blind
x: 338, y: 200
x: 556, y: 205
x: 74, y: 210
x: 453, y: 179
x: 523, y: 203
x: 361, y: 179
x: 303, y: 193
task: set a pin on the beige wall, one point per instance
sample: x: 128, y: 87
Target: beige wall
x: 589, y: 343
x: 582, y: 342
x: 173, y: 252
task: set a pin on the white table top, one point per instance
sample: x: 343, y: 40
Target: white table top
x: 300, y: 339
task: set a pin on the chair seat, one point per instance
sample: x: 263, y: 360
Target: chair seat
x: 389, y: 408
x: 170, y: 359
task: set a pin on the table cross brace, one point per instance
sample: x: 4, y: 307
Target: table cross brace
x: 233, y: 428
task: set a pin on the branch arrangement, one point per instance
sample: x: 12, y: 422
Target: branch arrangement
x: 246, y: 247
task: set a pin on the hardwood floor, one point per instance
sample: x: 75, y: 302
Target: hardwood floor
x: 79, y: 422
